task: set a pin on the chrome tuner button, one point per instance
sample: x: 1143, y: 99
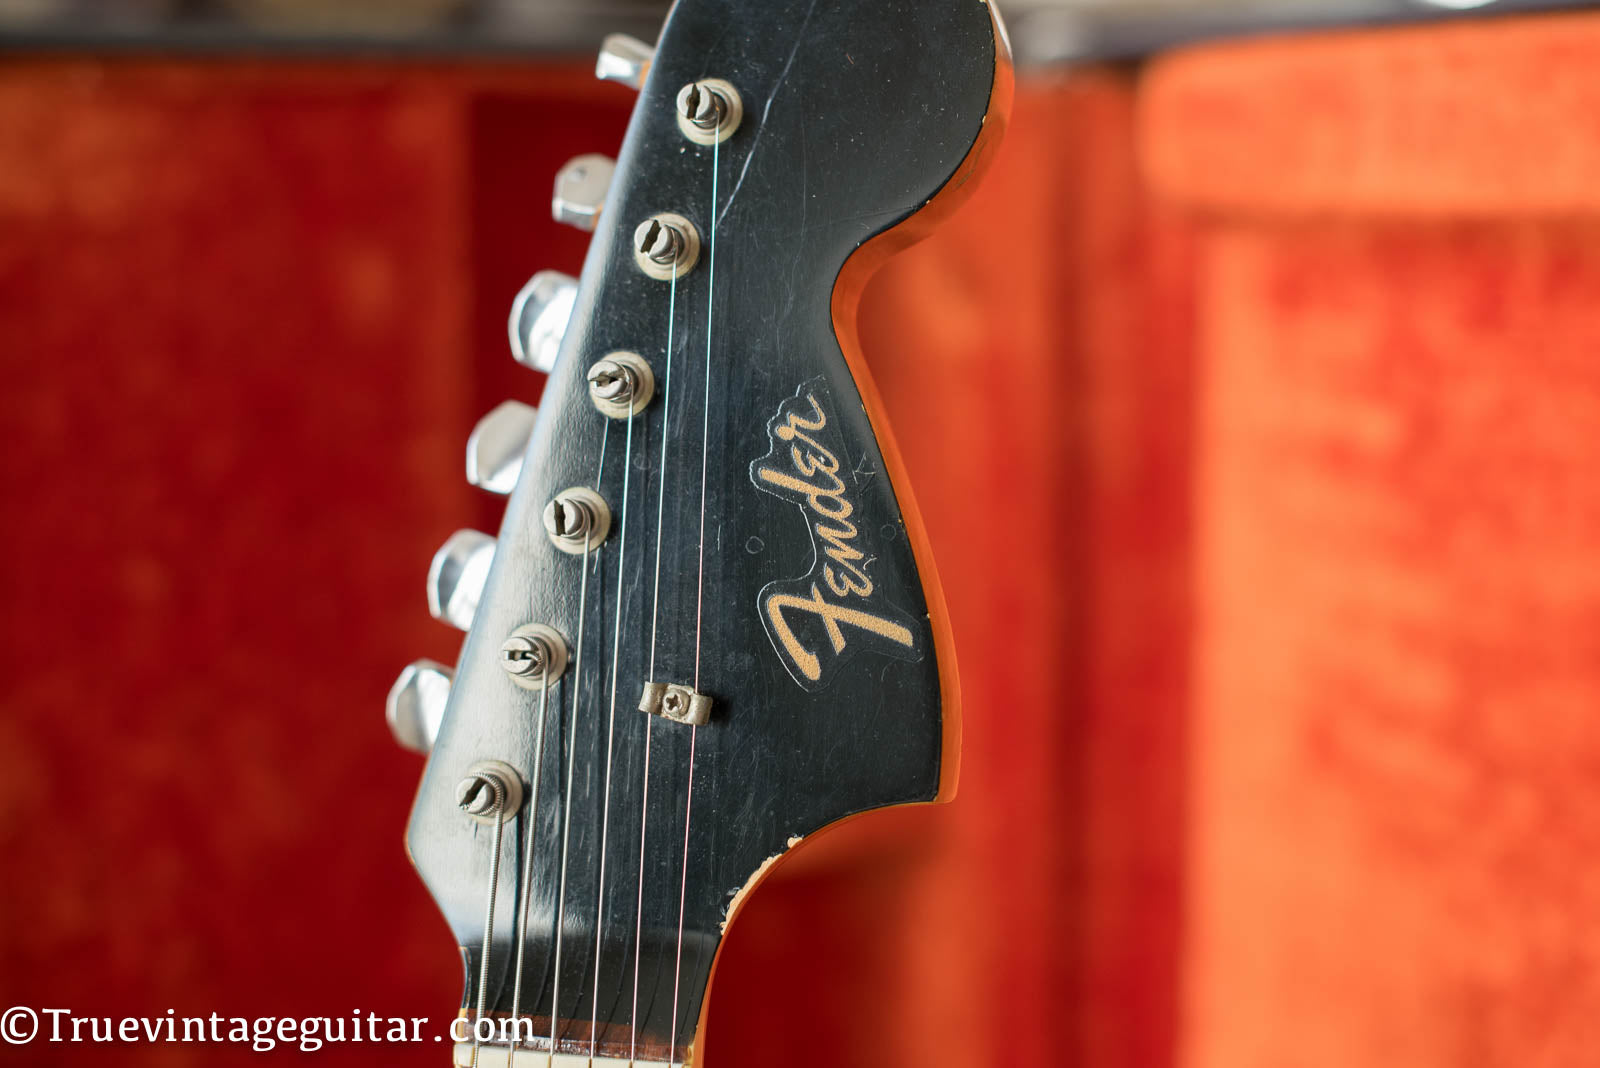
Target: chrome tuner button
x: 416, y: 704
x: 539, y: 316
x: 666, y: 246
x: 621, y: 385
x: 580, y: 192
x: 709, y: 111
x: 497, y: 445
x: 624, y: 60
x: 456, y: 577
x: 577, y: 520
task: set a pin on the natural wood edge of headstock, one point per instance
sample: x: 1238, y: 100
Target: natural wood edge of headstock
x: 852, y: 280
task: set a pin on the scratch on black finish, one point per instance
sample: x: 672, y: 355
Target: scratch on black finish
x: 856, y: 114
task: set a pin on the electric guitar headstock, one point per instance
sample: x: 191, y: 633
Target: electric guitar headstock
x: 709, y: 626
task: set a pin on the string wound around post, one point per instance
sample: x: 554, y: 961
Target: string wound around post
x: 490, y: 792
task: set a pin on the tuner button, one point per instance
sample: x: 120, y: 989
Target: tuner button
x: 580, y: 191
x: 457, y: 575
x: 539, y: 319
x: 623, y: 59
x: 416, y: 704
x: 497, y: 445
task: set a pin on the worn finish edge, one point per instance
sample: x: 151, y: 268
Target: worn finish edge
x: 851, y: 281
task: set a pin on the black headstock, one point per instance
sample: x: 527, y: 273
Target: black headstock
x: 759, y: 550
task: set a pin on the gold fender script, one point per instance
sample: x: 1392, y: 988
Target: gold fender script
x: 819, y: 619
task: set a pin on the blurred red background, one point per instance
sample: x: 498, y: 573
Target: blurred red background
x: 1280, y: 723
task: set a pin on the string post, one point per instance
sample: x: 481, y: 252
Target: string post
x: 577, y: 520
x: 702, y: 106
x: 522, y: 656
x: 709, y: 111
x: 490, y: 792
x: 534, y: 655
x: 660, y: 243
x: 621, y: 385
x: 666, y: 246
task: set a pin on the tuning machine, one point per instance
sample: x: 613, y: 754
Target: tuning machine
x: 539, y: 317
x: 416, y: 704
x: 623, y: 59
x: 577, y: 520
x: 534, y: 655
x: 580, y: 190
x: 457, y: 575
x: 490, y: 792
x: 666, y: 246
x: 497, y: 445
x: 709, y: 111
x: 621, y: 385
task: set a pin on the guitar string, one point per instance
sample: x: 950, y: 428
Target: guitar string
x: 611, y: 730
x: 638, y: 918
x: 655, y: 617
x: 683, y: 889
x: 661, y: 501
x: 705, y: 427
x: 572, y: 749
x: 527, y: 864
x: 694, y: 731
x: 488, y: 917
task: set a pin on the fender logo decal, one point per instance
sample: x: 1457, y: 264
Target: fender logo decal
x: 819, y: 619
